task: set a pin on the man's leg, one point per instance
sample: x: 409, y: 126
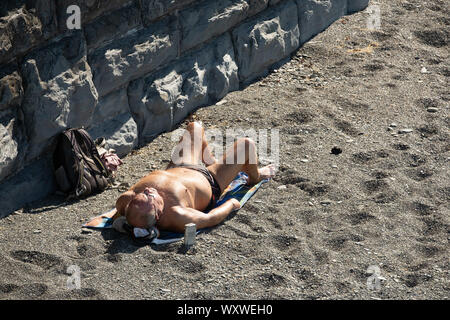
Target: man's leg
x: 192, y: 148
x: 241, y: 157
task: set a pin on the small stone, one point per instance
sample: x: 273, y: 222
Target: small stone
x: 282, y: 187
x: 336, y: 150
x: 326, y: 202
x: 86, y: 231
x: 406, y: 130
x: 221, y: 102
x: 304, y: 160
x: 432, y: 109
x: 393, y: 125
x: 334, y: 166
x: 37, y: 231
x: 423, y: 70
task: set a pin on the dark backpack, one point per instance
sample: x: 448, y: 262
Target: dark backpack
x: 79, y: 170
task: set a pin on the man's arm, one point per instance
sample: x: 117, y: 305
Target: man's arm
x: 182, y: 216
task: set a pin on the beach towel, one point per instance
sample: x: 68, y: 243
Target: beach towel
x: 236, y: 189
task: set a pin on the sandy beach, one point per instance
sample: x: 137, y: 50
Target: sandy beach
x: 363, y: 188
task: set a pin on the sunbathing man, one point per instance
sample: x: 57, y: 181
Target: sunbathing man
x: 191, y: 185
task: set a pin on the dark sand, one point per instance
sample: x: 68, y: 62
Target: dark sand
x: 383, y: 201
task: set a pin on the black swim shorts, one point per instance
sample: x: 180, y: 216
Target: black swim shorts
x: 216, y: 192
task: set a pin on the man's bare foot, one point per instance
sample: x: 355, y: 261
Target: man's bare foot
x: 267, y: 172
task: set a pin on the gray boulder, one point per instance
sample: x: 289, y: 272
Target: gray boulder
x: 207, y: 19
x: 113, y: 121
x: 24, y: 25
x: 59, y: 91
x: 134, y: 56
x: 11, y: 90
x: 89, y: 9
x: 356, y: 5
x: 266, y: 39
x: 316, y: 15
x: 12, y: 132
x: 153, y: 9
x: 13, y: 142
x: 160, y: 101
x: 112, y: 25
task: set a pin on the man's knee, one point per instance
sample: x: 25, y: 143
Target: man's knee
x: 194, y: 126
x: 246, y: 142
x: 246, y: 149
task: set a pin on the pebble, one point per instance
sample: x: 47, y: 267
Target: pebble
x: 304, y: 160
x: 221, y: 102
x: 326, y: 202
x: 86, y: 231
x: 406, y: 130
x: 37, y: 231
x: 432, y: 109
x: 282, y: 187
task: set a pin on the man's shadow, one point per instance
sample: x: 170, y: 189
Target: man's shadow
x: 124, y: 243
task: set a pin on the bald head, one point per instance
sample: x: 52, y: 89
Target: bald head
x: 144, y: 209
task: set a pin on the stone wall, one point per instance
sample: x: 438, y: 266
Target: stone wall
x: 135, y: 69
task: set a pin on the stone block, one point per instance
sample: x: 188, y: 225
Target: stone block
x: 59, y: 91
x: 89, y: 9
x: 24, y: 25
x: 356, y: 5
x: 13, y: 142
x: 120, y: 133
x: 134, y: 56
x: 161, y: 100
x: 112, y: 25
x: 266, y: 39
x: 113, y: 121
x: 154, y: 9
x: 11, y: 90
x: 209, y: 19
x: 316, y: 15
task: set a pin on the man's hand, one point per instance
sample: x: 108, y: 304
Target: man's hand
x: 236, y: 204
